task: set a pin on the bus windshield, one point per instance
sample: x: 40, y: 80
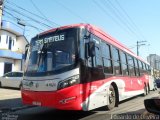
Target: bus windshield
x: 53, y: 53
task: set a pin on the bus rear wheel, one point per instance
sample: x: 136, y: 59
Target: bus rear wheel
x: 145, y: 90
x: 148, y: 88
x: 112, y: 98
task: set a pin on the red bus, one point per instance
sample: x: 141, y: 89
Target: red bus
x: 80, y: 67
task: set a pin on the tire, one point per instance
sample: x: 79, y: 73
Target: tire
x: 20, y: 86
x: 112, y: 98
x: 148, y: 89
x: 145, y: 90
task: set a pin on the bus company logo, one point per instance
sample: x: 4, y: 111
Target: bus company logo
x: 50, y: 39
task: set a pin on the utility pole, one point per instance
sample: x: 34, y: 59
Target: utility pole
x: 1, y: 12
x: 22, y: 23
x: 140, y: 43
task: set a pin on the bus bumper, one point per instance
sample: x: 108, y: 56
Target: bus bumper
x: 66, y: 99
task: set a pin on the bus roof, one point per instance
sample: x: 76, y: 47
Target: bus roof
x: 99, y: 33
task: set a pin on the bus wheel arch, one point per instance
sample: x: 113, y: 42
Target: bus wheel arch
x: 113, y: 89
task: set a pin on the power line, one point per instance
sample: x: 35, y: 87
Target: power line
x: 106, y: 12
x: 69, y: 10
x: 24, y: 15
x: 11, y: 3
x: 40, y: 12
x: 129, y: 18
x: 27, y: 24
x: 118, y: 15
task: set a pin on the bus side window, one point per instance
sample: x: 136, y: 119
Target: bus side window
x: 131, y: 65
x: 125, y: 70
x: 106, y: 56
x: 97, y: 59
x: 136, y: 67
x: 116, y: 63
x: 140, y: 67
x: 145, y: 70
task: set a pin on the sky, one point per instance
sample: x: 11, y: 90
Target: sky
x: 128, y: 21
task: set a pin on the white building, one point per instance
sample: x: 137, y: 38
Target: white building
x: 12, y: 47
x: 154, y: 61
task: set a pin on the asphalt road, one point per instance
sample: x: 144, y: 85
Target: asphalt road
x: 11, y: 108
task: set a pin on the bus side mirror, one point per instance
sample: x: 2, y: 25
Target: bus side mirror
x: 26, y: 51
x: 91, y: 48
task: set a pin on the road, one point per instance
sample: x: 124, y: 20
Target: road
x: 11, y: 108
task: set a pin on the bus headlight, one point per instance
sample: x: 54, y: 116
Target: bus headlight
x: 68, y: 82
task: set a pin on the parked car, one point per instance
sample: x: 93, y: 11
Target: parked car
x: 157, y: 81
x: 11, y: 79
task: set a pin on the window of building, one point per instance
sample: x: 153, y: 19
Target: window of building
x: 7, y: 37
x: 10, y: 43
x: 13, y: 42
x: 116, y: 60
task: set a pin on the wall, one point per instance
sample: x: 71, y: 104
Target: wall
x: 1, y: 66
x: 17, y: 65
x: 21, y: 43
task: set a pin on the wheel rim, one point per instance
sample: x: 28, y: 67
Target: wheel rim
x: 111, y: 95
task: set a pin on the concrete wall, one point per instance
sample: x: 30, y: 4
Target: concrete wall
x: 17, y: 65
x: 21, y: 43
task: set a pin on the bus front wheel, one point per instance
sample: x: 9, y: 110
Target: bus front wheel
x: 112, y: 97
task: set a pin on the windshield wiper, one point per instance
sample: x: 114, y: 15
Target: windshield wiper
x: 43, y: 54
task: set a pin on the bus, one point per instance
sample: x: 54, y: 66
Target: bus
x: 80, y: 67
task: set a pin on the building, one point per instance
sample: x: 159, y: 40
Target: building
x: 154, y: 61
x: 12, y: 47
